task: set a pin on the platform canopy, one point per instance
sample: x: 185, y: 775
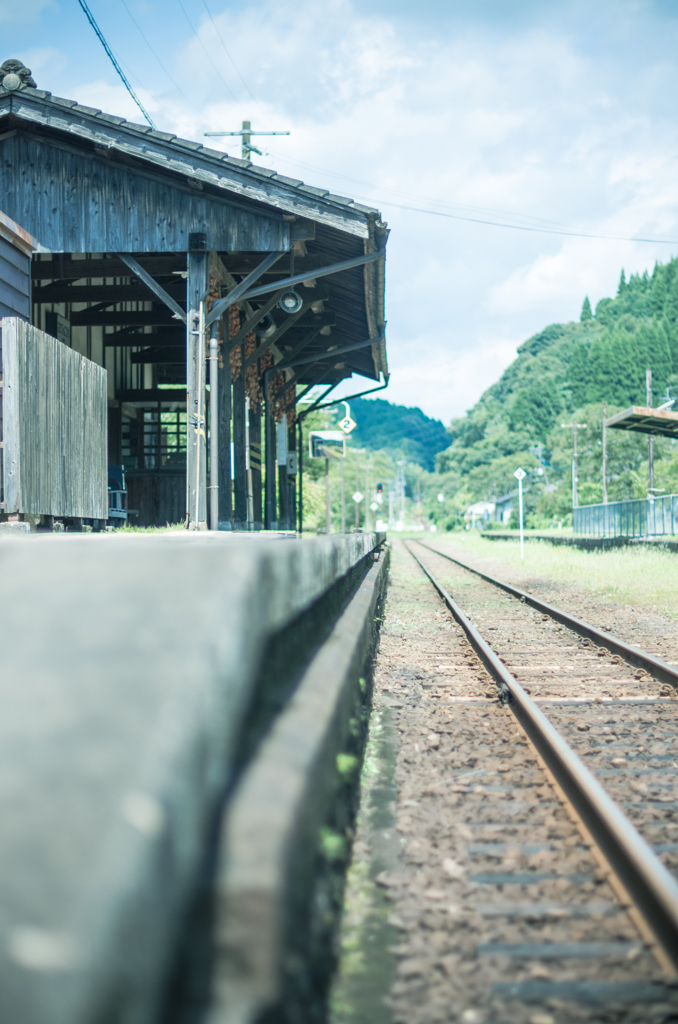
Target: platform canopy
x: 83, y: 181
x: 644, y: 420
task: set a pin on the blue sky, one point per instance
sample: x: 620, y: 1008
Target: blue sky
x: 534, y: 114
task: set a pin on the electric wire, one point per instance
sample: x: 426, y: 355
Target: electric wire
x: 110, y: 54
x: 424, y: 199
x: 534, y: 228
x: 172, y: 80
x: 523, y: 227
x: 197, y: 36
x: 228, y: 54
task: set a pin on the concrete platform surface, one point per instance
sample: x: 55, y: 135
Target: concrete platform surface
x: 126, y: 667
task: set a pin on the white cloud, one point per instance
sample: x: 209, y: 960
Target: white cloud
x: 27, y: 12
x: 522, y: 122
x: 449, y: 384
x: 534, y: 119
x: 44, y: 62
x: 115, y: 99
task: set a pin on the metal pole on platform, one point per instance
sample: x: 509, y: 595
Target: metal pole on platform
x: 604, y: 454
x: 520, y: 475
x: 197, y: 284
x: 328, y: 515
x: 357, y: 504
x: 213, y: 360
x: 301, y: 479
x: 650, y: 441
x: 574, y: 427
x: 343, y: 506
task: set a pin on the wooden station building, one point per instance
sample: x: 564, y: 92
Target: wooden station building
x: 154, y: 251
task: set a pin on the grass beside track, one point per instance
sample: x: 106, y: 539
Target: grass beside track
x: 634, y: 576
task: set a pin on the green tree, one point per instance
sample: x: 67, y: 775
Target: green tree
x: 578, y: 373
x: 621, y: 288
x: 586, y: 313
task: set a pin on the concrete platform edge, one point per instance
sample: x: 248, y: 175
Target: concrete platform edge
x: 270, y: 833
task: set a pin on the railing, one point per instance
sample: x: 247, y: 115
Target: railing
x: 641, y: 517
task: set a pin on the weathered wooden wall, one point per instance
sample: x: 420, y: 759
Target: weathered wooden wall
x: 76, y: 202
x: 15, y: 281
x: 55, y: 426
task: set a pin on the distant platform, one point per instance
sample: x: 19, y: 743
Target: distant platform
x: 645, y: 421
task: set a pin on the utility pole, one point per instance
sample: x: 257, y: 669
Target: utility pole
x: 604, y: 454
x: 401, y: 486
x: 575, y: 427
x: 343, y: 507
x: 246, y: 134
x: 650, y: 440
x: 367, y: 498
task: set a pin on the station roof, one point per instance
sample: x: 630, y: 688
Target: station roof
x: 92, y: 182
x: 644, y: 420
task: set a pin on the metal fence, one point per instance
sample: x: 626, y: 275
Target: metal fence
x: 54, y: 422
x: 642, y: 517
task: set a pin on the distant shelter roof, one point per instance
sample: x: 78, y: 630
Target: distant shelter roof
x: 643, y: 420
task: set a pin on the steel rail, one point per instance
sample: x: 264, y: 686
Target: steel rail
x: 660, y: 669
x: 650, y: 886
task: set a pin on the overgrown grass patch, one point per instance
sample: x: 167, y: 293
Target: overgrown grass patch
x: 636, y: 576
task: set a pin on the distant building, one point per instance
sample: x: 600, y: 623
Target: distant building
x: 504, y: 505
x: 481, y: 512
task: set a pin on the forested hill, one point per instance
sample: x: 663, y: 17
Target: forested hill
x: 403, y: 432
x: 601, y: 358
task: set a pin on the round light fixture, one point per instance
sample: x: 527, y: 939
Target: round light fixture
x: 291, y: 301
x: 266, y: 327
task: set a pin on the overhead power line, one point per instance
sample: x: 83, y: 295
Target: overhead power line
x: 523, y: 227
x: 102, y: 40
x: 534, y: 227
x: 172, y: 80
x: 204, y: 48
x: 228, y: 54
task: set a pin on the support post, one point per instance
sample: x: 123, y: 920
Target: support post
x: 255, y: 465
x: 197, y: 284
x: 300, y: 469
x: 291, y: 477
x: 367, y: 499
x: 520, y: 505
x: 343, y: 500
x: 574, y: 427
x: 604, y: 454
x: 225, y: 483
x: 214, y: 428
x: 283, y: 496
x: 650, y: 441
x: 239, y: 448
x: 328, y: 510
x: 357, y: 504
x: 270, y: 521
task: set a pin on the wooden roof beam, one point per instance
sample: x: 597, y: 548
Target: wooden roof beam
x: 153, y: 285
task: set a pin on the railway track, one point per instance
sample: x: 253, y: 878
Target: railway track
x: 552, y: 788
